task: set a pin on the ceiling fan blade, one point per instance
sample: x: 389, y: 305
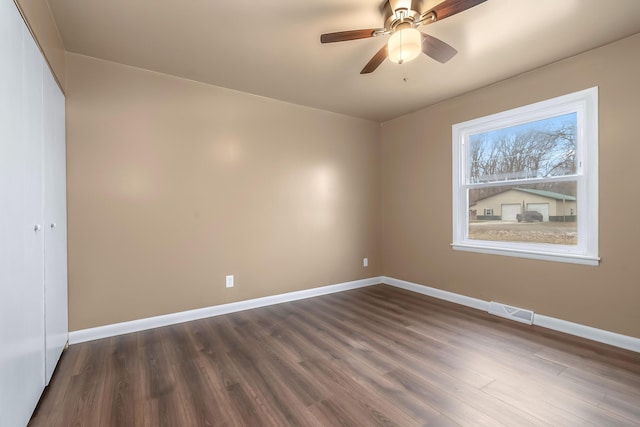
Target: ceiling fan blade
x: 437, y: 49
x: 451, y: 7
x: 342, y: 36
x: 375, y: 62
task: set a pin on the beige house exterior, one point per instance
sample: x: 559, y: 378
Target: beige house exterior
x: 506, y: 205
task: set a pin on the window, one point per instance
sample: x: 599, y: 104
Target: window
x: 533, y: 173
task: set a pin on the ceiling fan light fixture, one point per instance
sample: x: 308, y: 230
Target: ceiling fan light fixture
x: 404, y: 45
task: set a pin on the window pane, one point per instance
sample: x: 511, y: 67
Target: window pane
x: 538, y: 149
x: 534, y: 213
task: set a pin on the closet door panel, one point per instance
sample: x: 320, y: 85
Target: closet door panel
x: 32, y: 221
x: 12, y: 262
x: 21, y: 211
x: 55, y: 229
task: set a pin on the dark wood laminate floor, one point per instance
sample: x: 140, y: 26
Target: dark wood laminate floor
x: 371, y: 356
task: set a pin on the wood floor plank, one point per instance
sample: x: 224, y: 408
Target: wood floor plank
x: 356, y: 395
x: 372, y: 356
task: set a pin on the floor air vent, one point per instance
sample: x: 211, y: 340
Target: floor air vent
x: 513, y: 313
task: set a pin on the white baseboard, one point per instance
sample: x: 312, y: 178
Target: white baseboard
x: 611, y: 338
x: 594, y: 334
x: 106, y: 331
x: 437, y: 293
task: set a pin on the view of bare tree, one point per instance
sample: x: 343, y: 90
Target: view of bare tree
x: 539, y: 150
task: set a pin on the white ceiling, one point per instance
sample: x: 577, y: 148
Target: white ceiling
x: 272, y: 47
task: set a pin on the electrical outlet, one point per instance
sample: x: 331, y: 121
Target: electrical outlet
x: 365, y: 262
x: 230, y: 281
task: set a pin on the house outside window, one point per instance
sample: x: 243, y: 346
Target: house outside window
x: 533, y: 174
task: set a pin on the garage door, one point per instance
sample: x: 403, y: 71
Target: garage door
x: 543, y: 208
x: 510, y: 211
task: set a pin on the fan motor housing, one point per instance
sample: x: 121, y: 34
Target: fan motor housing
x: 391, y: 20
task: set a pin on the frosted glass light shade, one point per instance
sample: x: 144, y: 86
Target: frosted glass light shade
x: 404, y: 45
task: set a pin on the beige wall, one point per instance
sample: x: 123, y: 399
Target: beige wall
x: 416, y: 169
x: 173, y: 184
x: 42, y: 25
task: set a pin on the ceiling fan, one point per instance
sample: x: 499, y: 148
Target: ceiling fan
x: 401, y: 20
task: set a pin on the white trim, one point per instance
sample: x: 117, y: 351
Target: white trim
x: 522, y: 253
x: 611, y: 338
x: 106, y: 331
x: 437, y: 293
x: 594, y: 334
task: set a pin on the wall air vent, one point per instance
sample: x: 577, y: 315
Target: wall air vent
x: 513, y: 313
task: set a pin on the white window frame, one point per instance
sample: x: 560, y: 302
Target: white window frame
x: 585, y: 104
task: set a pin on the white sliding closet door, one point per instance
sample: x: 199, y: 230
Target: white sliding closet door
x: 33, y: 224
x: 55, y: 226
x: 21, y: 220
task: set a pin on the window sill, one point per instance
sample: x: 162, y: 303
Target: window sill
x: 521, y: 253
